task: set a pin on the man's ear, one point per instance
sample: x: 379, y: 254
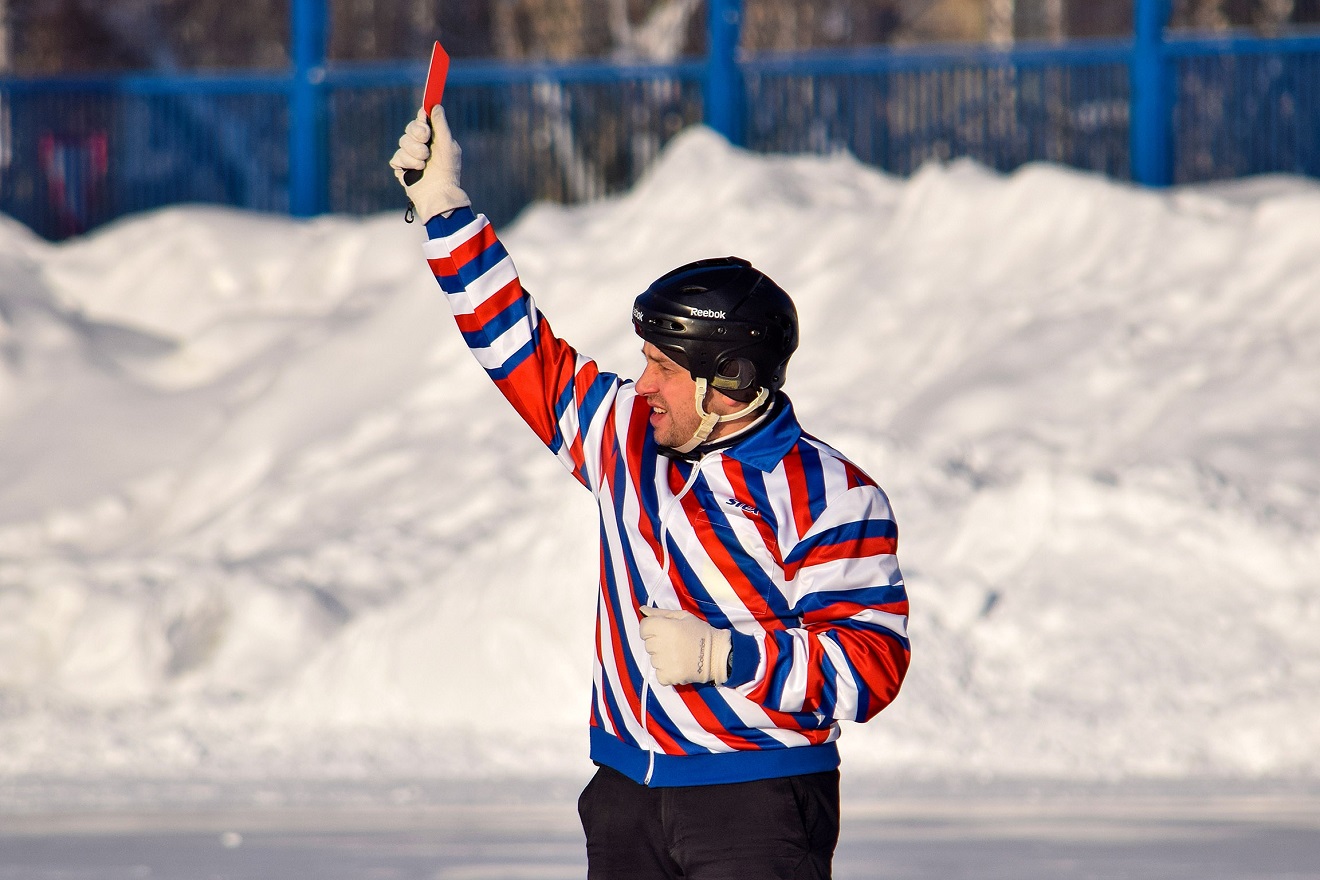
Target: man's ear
x: 722, y: 404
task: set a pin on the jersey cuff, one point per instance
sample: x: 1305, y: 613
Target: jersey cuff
x: 746, y: 653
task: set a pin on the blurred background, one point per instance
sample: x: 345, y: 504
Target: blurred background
x: 108, y: 108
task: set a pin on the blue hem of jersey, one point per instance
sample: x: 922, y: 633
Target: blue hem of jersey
x: 710, y: 769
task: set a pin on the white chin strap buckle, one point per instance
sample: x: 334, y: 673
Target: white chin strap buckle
x: 709, y: 420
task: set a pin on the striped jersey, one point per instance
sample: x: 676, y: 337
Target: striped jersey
x: 778, y: 539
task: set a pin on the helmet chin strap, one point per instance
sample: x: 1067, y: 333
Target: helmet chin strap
x: 709, y: 419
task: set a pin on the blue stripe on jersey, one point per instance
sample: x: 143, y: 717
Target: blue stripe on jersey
x: 829, y: 690
x: 621, y: 605
x: 440, y: 226
x: 815, y: 478
x: 783, y: 665
x: 450, y: 283
x: 713, y: 697
x: 486, y: 259
x: 512, y: 362
x: 509, y: 316
x: 865, y: 626
x: 863, y: 695
x: 648, y: 496
x: 638, y: 595
x: 600, y: 388
x: 655, y: 714
x: 755, y: 481
x: 562, y: 405
x: 847, y: 533
x: 620, y: 728
x: 879, y: 595
x: 489, y: 256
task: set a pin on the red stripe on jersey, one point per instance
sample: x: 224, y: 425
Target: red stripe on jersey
x: 856, y: 476
x: 840, y: 610
x: 844, y: 550
x: 487, y: 311
x: 879, y: 660
x: 582, y: 380
x: 719, y: 554
x: 442, y: 266
x: 467, y: 251
x: 534, y: 385
x: 518, y: 387
x: 609, y: 455
x: 733, y: 471
x: 631, y: 689
x: 702, y: 714
x: 638, y: 422
x: 798, y: 493
x: 815, y: 690
x: 602, y: 704
x: 770, y: 648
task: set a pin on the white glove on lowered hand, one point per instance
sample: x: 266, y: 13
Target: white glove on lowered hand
x: 684, y: 648
x: 439, y: 159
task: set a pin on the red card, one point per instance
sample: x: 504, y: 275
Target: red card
x: 431, y: 95
x: 435, y: 78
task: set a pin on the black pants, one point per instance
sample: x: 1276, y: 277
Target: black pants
x: 772, y: 828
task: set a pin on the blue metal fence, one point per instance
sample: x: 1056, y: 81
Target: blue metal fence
x: 1155, y: 109
x: 898, y: 109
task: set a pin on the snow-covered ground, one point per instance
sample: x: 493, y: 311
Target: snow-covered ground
x: 262, y: 516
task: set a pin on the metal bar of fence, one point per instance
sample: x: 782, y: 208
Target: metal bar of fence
x: 1151, y: 134
x: 150, y: 84
x: 308, y: 148
x: 1186, y: 46
x: 469, y: 72
x: 724, y: 88
x: 894, y: 60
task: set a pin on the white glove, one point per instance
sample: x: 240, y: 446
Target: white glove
x: 439, y: 159
x: 684, y: 648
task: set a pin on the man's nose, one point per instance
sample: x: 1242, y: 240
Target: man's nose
x: 645, y: 382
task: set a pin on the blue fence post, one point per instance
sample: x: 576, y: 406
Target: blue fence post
x: 724, y: 84
x: 1151, y: 119
x: 308, y: 149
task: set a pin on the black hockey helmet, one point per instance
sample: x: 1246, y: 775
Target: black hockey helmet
x: 724, y: 321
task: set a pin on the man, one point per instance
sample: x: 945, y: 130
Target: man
x: 750, y: 598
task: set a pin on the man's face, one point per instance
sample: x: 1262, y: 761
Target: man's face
x: 671, y: 392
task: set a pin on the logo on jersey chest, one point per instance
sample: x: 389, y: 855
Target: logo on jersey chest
x: 742, y: 505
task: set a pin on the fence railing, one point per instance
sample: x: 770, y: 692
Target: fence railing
x: 1154, y: 109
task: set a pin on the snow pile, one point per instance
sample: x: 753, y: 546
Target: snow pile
x: 260, y: 513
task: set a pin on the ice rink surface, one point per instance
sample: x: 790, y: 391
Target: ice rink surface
x: 1015, y: 833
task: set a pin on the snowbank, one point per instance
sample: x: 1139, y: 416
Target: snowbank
x: 261, y: 514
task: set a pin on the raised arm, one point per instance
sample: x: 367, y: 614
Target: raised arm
x: 558, y: 392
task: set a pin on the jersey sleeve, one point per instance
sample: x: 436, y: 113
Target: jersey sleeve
x: 561, y: 394
x: 846, y: 652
